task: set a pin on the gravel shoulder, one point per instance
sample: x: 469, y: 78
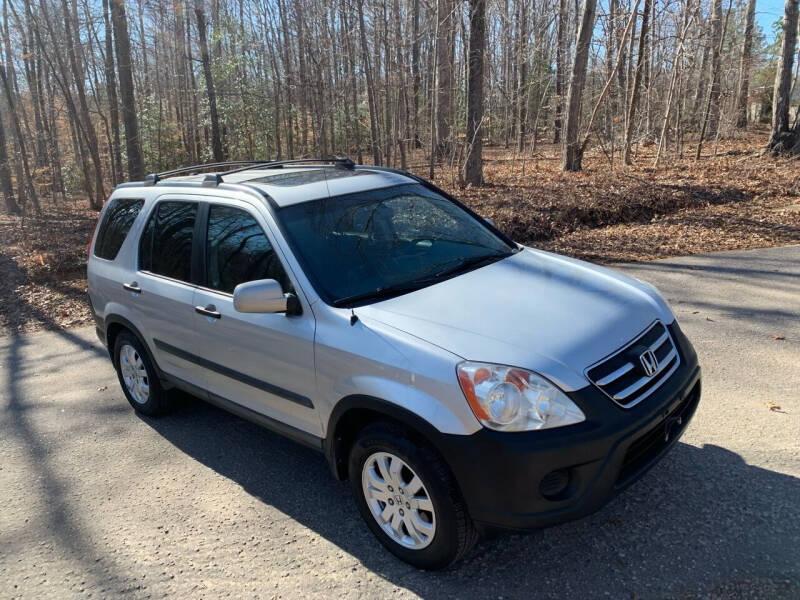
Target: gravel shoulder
x: 202, y: 504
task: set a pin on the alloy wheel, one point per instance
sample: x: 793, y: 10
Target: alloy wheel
x: 398, y: 500
x: 134, y: 374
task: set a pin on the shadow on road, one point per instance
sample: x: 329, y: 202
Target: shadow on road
x: 62, y: 518
x: 700, y: 517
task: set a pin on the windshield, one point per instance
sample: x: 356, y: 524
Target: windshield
x: 382, y: 243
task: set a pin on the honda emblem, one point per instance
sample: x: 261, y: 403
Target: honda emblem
x: 649, y: 363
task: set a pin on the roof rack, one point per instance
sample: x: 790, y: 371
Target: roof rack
x: 154, y: 178
x: 214, y: 179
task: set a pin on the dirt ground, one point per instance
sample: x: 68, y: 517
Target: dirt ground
x: 734, y: 198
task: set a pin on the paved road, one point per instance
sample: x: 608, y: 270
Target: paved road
x: 95, y: 500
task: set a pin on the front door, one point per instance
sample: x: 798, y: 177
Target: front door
x: 264, y: 362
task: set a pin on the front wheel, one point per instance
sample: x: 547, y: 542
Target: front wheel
x: 408, y: 498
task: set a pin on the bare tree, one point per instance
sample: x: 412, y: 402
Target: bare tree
x: 744, y: 66
x: 393, y: 80
x: 782, y: 138
x: 473, y: 166
x: 637, y: 81
x: 561, y: 60
x: 373, y: 118
x: 216, y: 140
x: 122, y: 46
x: 572, y: 157
x: 23, y: 153
x: 713, y: 110
x: 90, y: 136
x: 5, y: 175
x: 111, y: 91
x: 445, y: 47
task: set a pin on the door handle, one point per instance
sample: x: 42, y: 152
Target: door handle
x: 132, y: 287
x: 208, y: 310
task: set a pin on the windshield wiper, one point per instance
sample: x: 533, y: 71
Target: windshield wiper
x: 396, y: 289
x: 386, y: 291
x: 472, y: 261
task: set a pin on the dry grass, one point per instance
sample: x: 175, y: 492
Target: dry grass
x: 734, y: 200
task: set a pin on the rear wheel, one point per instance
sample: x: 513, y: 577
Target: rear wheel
x: 408, y: 498
x: 137, y: 376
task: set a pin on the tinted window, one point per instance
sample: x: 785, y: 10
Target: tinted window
x: 238, y: 251
x: 166, y: 245
x: 368, y: 242
x: 117, y: 222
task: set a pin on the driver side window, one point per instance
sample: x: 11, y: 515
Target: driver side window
x: 238, y: 251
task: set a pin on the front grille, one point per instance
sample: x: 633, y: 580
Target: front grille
x: 622, y: 376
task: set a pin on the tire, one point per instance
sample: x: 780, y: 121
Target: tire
x: 137, y: 377
x: 453, y: 533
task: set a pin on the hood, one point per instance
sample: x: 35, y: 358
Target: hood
x: 536, y: 310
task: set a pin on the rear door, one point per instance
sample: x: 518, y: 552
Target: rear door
x: 164, y: 286
x: 110, y: 267
x: 264, y: 362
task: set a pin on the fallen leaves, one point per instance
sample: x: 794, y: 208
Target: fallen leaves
x: 603, y: 214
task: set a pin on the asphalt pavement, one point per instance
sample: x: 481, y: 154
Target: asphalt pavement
x: 96, y: 501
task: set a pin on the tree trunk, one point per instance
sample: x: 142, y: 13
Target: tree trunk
x: 61, y: 77
x: 216, y: 140
x: 561, y: 67
x: 716, y: 49
x: 445, y: 46
x: 702, y: 83
x: 572, y: 156
x: 687, y: 20
x: 522, y: 77
x: 373, y: 117
x: 89, y: 133
x: 5, y: 175
x: 744, y: 66
x: 781, y: 138
x: 28, y: 179
x: 417, y: 143
x: 473, y: 166
x: 113, y: 105
x: 287, y: 67
x: 32, y: 75
x: 122, y: 46
x: 637, y: 79
x: 710, y: 123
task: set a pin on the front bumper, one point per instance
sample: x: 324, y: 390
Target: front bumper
x: 539, y: 478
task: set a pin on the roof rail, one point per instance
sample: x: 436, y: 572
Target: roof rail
x: 154, y: 178
x: 213, y: 179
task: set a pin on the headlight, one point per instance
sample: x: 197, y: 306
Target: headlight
x: 510, y: 399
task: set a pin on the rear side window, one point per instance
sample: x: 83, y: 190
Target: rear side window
x: 238, y: 251
x: 117, y: 222
x: 166, y: 244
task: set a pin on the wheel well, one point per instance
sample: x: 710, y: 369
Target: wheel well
x: 114, y: 328
x: 347, y: 428
x: 112, y: 331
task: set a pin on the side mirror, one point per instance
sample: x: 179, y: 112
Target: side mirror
x: 263, y: 296
x: 489, y: 221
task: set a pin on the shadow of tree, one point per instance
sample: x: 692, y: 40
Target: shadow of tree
x: 701, y: 515
x: 700, y: 518
x: 62, y: 519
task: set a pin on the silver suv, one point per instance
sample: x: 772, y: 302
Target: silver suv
x: 461, y: 382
